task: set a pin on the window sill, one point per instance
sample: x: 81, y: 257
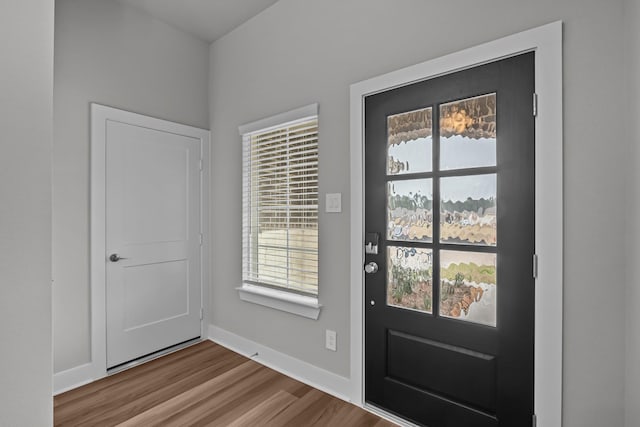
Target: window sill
x: 281, y: 300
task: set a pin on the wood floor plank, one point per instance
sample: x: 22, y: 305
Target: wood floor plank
x: 132, y: 393
x: 202, y: 352
x: 188, y: 407
x: 252, y: 397
x: 351, y: 415
x: 322, y: 412
x: 305, y: 405
x: 205, y: 385
x: 265, y: 411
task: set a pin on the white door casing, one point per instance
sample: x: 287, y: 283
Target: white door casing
x: 546, y: 42
x: 148, y: 208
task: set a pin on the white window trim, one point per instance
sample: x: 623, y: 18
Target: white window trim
x: 265, y: 124
x: 289, y: 302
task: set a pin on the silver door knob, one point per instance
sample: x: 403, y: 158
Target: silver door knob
x: 115, y: 258
x: 371, y: 268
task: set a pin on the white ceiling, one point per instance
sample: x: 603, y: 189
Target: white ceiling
x: 205, y: 19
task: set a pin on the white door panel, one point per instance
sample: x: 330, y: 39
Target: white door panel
x: 168, y: 281
x: 153, y: 293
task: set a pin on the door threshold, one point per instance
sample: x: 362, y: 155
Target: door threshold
x: 149, y: 357
x: 388, y: 415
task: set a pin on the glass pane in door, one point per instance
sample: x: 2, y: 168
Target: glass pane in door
x: 410, y: 210
x: 468, y: 133
x: 409, y: 142
x: 468, y: 286
x: 409, y: 273
x: 468, y: 210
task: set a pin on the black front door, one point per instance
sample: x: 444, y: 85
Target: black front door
x: 449, y: 205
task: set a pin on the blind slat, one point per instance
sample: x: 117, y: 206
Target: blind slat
x: 280, y: 207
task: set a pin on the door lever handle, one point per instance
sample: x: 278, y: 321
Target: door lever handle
x: 115, y: 258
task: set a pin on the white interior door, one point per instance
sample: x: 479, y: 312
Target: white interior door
x: 153, y: 240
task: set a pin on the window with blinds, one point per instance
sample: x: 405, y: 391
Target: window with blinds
x: 280, y: 205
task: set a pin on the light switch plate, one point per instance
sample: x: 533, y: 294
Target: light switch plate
x: 333, y: 202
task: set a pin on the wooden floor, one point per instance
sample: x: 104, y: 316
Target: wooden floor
x: 204, y: 385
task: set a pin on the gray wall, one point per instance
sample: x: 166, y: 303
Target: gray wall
x: 303, y: 51
x: 26, y: 104
x: 632, y: 397
x: 111, y: 54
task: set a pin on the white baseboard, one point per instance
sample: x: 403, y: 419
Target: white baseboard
x: 311, y: 375
x: 314, y: 376
x: 72, y: 378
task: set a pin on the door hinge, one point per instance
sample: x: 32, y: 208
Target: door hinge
x: 534, y: 421
x: 201, y: 239
x: 535, y: 105
x: 201, y: 313
x: 535, y: 266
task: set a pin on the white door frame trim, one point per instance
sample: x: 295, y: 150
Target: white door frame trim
x: 100, y: 114
x: 546, y: 41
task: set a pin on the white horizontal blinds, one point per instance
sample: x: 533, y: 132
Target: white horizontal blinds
x: 280, y: 206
